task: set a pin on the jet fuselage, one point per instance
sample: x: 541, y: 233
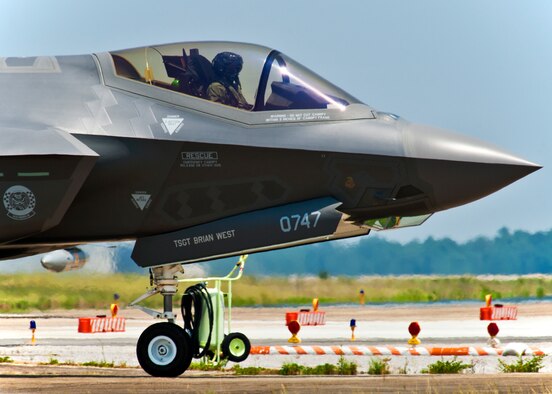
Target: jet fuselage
x: 89, y: 155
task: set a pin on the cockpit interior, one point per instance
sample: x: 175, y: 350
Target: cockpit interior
x: 268, y: 80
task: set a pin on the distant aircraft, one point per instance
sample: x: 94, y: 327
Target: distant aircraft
x: 209, y: 149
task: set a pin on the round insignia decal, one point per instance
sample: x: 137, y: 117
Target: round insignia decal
x: 20, y: 202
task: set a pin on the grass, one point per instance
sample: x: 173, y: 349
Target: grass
x: 404, y: 369
x: 104, y: 364
x: 55, y: 361
x: 291, y: 369
x: 98, y: 364
x: 205, y: 366
x: 46, y: 291
x: 343, y: 367
x: 378, y: 366
x: 51, y: 361
x: 6, y: 359
x: 253, y: 370
x: 447, y: 367
x: 534, y: 364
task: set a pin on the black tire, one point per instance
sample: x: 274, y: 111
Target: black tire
x: 164, y: 350
x: 235, y: 347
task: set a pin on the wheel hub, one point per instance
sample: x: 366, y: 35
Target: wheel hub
x: 162, y: 350
x: 237, y: 346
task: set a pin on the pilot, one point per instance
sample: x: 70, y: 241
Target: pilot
x: 226, y: 89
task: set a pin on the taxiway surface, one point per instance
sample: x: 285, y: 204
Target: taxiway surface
x: 442, y: 325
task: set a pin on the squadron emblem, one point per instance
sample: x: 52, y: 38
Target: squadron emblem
x: 20, y: 202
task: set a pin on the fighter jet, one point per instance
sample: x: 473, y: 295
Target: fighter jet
x: 208, y: 149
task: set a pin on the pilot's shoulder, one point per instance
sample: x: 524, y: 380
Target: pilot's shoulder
x: 216, y: 89
x: 217, y: 86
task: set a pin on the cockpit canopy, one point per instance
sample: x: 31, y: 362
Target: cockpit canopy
x: 268, y: 80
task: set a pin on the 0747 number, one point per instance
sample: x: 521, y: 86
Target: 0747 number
x: 296, y: 222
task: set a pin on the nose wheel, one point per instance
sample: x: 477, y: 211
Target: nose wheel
x: 164, y: 350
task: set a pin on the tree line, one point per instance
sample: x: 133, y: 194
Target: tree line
x: 517, y: 252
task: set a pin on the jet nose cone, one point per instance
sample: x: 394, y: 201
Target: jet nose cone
x: 461, y: 169
x: 432, y: 143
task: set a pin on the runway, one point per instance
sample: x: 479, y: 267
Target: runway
x: 441, y: 325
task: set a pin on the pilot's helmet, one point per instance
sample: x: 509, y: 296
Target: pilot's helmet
x: 227, y: 64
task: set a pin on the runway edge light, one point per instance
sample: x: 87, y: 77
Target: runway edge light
x: 114, y: 308
x: 294, y: 327
x: 493, y: 330
x: 414, y: 330
x: 32, y: 327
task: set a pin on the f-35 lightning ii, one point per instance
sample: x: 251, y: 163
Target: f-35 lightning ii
x: 208, y: 149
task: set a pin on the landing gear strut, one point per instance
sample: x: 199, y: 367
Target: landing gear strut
x: 163, y: 349
x: 166, y: 349
x: 166, y: 283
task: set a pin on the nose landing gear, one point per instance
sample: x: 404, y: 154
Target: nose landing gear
x: 165, y: 349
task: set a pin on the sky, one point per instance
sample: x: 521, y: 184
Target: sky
x: 481, y: 68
